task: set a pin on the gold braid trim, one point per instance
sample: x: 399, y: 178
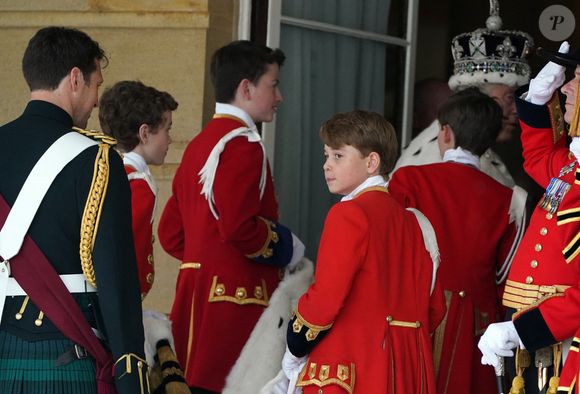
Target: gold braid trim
x: 556, y: 118
x: 575, y: 124
x: 141, y: 369
x: 92, y: 212
x: 97, y: 135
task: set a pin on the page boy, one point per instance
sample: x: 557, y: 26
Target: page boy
x: 473, y: 218
x: 139, y: 117
x: 369, y: 306
x: 221, y: 220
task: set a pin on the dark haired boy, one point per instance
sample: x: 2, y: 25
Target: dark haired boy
x: 364, y: 325
x: 473, y: 216
x: 221, y: 220
x: 139, y: 117
x: 84, y: 275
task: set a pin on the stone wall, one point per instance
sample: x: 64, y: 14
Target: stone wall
x: 163, y: 43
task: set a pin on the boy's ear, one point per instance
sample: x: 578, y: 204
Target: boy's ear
x: 144, y: 133
x: 448, y: 135
x: 244, y: 89
x: 373, y: 163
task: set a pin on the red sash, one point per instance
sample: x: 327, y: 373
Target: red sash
x: 37, y: 277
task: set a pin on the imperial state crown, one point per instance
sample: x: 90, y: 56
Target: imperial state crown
x: 491, y: 55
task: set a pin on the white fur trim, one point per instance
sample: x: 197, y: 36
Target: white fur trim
x: 261, y: 358
x: 517, y: 213
x: 430, y: 241
x: 477, y: 78
x: 156, y: 327
x: 208, y: 171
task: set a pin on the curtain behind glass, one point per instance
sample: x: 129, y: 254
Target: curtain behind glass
x: 324, y: 73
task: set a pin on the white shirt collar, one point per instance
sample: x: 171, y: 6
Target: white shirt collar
x: 228, y: 109
x: 136, y: 161
x: 459, y: 155
x: 376, y: 180
x: 575, y: 148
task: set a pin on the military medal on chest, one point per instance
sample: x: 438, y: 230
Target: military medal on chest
x: 556, y: 190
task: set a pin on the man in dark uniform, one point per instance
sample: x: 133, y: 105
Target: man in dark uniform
x: 63, y: 70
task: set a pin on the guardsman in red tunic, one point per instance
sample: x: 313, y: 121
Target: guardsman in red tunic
x: 364, y: 325
x: 478, y: 223
x: 548, y: 260
x: 221, y: 220
x: 139, y: 117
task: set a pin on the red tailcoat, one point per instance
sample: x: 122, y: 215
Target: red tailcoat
x: 470, y: 214
x: 220, y: 292
x: 371, y: 293
x: 548, y: 260
x: 142, y: 207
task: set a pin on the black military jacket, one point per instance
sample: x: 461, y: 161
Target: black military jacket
x: 116, y: 311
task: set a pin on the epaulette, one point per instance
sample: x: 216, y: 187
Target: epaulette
x: 97, y: 136
x: 556, y: 118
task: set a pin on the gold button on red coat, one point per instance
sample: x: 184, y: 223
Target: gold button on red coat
x: 529, y: 280
x: 534, y: 263
x: 543, y: 231
x: 538, y: 247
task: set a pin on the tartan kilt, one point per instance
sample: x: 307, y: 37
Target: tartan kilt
x: 29, y: 368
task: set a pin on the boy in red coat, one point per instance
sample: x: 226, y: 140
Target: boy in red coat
x: 473, y: 216
x: 139, y: 118
x: 364, y: 325
x: 221, y: 220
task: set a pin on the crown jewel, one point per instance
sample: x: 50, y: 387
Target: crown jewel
x: 490, y: 55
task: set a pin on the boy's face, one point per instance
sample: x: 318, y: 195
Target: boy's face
x: 265, y: 95
x: 570, y: 89
x: 345, y: 168
x: 157, y: 144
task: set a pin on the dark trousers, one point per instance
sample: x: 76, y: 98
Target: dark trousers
x: 530, y: 373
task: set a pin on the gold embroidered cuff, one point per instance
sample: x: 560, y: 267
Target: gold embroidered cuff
x: 141, y: 369
x: 265, y: 251
x: 313, y: 329
x: 522, y: 295
x: 322, y: 375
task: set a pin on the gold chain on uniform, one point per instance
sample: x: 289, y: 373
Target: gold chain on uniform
x: 95, y: 200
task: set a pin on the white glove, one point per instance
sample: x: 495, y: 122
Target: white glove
x: 156, y: 327
x: 297, y: 252
x: 550, y: 78
x: 278, y: 385
x: 292, y: 366
x: 498, y: 341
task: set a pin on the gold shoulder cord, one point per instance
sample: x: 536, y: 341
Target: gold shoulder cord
x: 95, y: 200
